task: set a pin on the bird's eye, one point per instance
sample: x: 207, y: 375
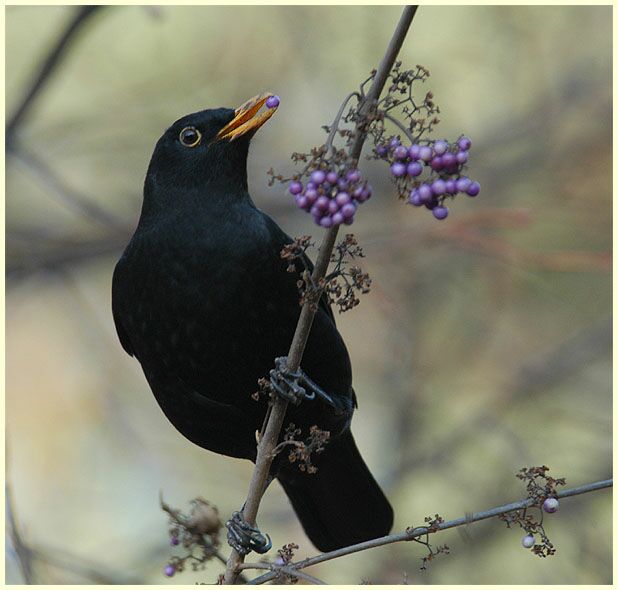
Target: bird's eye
x: 190, y: 137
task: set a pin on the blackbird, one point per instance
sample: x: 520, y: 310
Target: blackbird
x: 203, y: 300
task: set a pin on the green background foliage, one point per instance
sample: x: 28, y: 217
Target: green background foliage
x: 484, y: 346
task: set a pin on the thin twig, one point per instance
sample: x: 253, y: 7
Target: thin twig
x: 396, y: 122
x: 54, y: 58
x: 335, y: 125
x: 286, y: 569
x: 273, y: 427
x: 417, y: 532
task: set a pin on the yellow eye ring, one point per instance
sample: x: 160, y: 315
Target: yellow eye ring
x: 190, y: 137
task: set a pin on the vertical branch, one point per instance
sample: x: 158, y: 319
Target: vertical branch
x: 275, y: 422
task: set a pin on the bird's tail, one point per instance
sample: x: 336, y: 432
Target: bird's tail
x: 342, y: 503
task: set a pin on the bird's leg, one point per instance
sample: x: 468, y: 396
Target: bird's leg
x: 245, y: 538
x: 294, y: 386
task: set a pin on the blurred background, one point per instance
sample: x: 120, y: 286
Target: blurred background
x: 484, y: 345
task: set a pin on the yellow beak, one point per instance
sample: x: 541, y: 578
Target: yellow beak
x: 247, y: 118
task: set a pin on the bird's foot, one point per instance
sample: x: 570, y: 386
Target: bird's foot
x: 295, y: 386
x: 245, y: 538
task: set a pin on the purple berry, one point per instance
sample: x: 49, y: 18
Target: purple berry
x: 332, y: 177
x: 462, y: 157
x: 437, y: 163
x: 464, y: 143
x: 438, y: 187
x: 395, y: 142
x: 367, y: 192
x: 348, y: 210
x: 322, y: 203
x: 413, y: 151
x: 398, y: 169
x: 551, y: 505
x: 342, y: 183
x: 440, y: 147
x: 312, y: 185
x: 382, y: 150
x: 273, y: 101
x: 333, y: 206
x: 474, y: 189
x: 400, y: 153
x: 440, y: 212
x: 295, y: 187
x: 451, y: 186
x: 338, y: 218
x: 528, y: 541
x: 463, y: 183
x: 311, y: 195
x: 169, y: 570
x: 425, y: 193
x: 415, y: 198
x: 432, y: 203
x: 343, y: 198
x: 449, y: 159
x: 326, y: 221
x: 174, y: 541
x: 414, y: 168
x: 316, y: 212
x: 302, y: 201
x: 318, y: 176
x: 425, y: 153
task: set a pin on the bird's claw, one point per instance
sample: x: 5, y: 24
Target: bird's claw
x: 245, y: 538
x: 295, y: 386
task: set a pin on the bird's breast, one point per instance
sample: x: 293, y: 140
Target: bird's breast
x: 204, y: 301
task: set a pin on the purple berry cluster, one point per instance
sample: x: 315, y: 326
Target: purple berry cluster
x: 444, y: 161
x: 332, y: 197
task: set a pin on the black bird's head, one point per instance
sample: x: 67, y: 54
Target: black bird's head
x: 207, y: 150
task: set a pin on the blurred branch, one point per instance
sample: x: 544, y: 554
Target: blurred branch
x: 543, y: 371
x: 24, y: 553
x: 414, y: 533
x: 68, y: 196
x: 58, y: 253
x: 54, y: 58
x: 274, y: 421
x: 64, y: 560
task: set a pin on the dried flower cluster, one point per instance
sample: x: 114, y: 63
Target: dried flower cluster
x: 541, y: 490
x: 196, y: 532
x: 432, y: 524
x: 342, y: 285
x: 302, y: 450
